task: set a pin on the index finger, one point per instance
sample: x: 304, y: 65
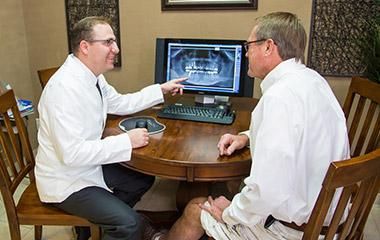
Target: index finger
x: 210, y: 200
x: 178, y: 80
x: 222, y: 149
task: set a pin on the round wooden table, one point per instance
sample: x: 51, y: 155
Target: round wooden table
x: 187, y: 150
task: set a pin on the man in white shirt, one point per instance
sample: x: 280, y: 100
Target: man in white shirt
x: 76, y: 170
x: 296, y: 130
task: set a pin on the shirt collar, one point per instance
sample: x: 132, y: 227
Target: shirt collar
x: 87, y: 73
x: 276, y: 74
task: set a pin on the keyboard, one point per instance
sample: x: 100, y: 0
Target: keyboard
x: 196, y: 113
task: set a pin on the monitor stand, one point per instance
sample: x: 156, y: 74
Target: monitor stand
x: 204, y: 99
x: 210, y: 99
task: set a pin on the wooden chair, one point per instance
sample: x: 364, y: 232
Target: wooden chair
x: 360, y: 179
x: 13, y: 169
x: 45, y: 74
x: 362, y: 110
x: 359, y: 176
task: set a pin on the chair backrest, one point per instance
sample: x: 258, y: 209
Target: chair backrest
x: 362, y: 110
x: 359, y: 179
x: 45, y: 74
x: 14, y: 164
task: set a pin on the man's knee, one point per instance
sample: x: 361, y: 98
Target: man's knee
x: 129, y: 217
x: 198, y: 200
x: 127, y: 224
x: 192, y: 210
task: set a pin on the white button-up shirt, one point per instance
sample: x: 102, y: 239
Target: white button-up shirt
x: 72, y: 117
x: 297, y: 129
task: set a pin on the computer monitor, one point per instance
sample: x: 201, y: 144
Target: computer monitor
x: 213, y: 67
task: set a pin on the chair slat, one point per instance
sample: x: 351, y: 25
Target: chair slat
x: 24, y: 138
x: 339, y: 211
x: 8, y: 157
x: 3, y: 167
x: 13, y: 139
x: 347, y: 106
x: 374, y: 138
x: 372, y: 198
x: 356, y: 119
x: 365, y: 128
x: 356, y: 203
x: 314, y: 226
x: 370, y: 187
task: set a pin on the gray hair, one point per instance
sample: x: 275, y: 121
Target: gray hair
x: 286, y: 31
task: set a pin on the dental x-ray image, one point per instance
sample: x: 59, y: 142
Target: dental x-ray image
x: 204, y: 66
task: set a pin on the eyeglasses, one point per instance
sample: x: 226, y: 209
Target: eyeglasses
x: 107, y: 42
x: 246, y: 44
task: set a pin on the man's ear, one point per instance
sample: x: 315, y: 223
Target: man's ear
x: 269, y: 47
x: 83, y: 47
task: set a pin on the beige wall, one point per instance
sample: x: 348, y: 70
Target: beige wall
x: 14, y: 58
x: 33, y: 36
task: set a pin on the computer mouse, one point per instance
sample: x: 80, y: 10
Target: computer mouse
x: 225, y: 108
x: 141, y: 123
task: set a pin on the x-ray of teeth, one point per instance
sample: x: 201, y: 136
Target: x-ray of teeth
x: 203, y: 67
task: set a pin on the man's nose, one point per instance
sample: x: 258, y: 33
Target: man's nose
x: 115, y: 48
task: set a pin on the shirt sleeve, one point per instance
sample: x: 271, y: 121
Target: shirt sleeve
x: 269, y: 186
x: 123, y: 104
x: 246, y: 133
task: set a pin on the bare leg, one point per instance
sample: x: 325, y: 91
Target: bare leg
x: 188, y: 226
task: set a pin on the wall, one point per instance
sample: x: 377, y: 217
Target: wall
x: 42, y: 42
x: 14, y: 60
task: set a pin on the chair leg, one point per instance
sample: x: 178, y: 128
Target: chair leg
x: 37, y: 232
x: 15, y: 232
x: 95, y: 232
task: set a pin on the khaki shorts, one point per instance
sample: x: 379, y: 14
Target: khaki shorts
x: 222, y: 231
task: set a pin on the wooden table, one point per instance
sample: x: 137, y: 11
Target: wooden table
x: 187, y: 151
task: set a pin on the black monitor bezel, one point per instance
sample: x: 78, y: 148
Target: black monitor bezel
x: 161, y: 78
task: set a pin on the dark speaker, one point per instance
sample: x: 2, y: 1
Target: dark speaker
x: 247, y: 81
x: 248, y: 86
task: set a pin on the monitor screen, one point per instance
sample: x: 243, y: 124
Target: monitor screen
x: 215, y: 67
